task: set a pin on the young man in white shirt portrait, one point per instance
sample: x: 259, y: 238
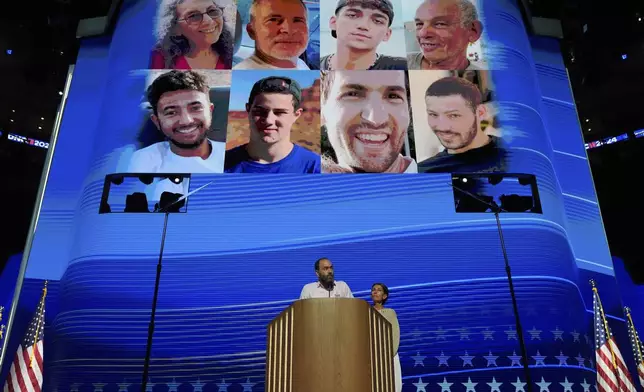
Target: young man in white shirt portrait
x: 182, y: 111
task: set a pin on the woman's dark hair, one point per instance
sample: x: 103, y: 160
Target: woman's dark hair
x: 385, y: 290
x: 173, y: 46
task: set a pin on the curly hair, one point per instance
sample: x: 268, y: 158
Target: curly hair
x: 173, y: 46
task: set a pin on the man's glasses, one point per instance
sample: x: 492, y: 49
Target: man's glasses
x: 197, y: 17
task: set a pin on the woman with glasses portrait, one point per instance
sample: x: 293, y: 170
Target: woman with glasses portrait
x: 192, y: 34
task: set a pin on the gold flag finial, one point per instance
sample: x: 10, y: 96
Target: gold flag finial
x: 627, y: 310
x: 592, y: 283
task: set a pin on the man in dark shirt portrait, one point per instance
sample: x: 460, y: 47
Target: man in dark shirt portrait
x: 359, y: 26
x: 454, y: 112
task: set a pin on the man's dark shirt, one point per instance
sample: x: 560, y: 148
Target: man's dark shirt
x: 489, y: 158
x: 382, y: 63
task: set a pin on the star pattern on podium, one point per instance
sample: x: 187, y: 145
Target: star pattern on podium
x: 563, y: 359
x: 223, y: 386
x: 491, y: 359
x: 575, y: 336
x: 519, y: 386
x: 535, y: 334
x: 420, y: 385
x: 543, y: 385
x: 488, y: 334
x: 442, y: 359
x: 440, y: 334
x: 581, y: 361
x: 586, y: 386
x: 173, y: 386
x: 419, y: 359
x: 516, y: 359
x: 124, y: 385
x: 248, y: 386
x: 587, y: 338
x: 539, y: 359
x: 567, y: 385
x: 197, y: 386
x: 469, y: 385
x: 149, y: 386
x: 74, y: 387
x: 467, y: 359
x: 512, y: 333
x: 445, y: 386
x: 558, y: 334
x: 494, y: 385
x: 465, y: 334
x: 98, y: 387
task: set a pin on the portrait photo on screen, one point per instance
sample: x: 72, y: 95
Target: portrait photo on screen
x: 274, y: 122
x: 194, y: 34
x: 456, y: 122
x: 278, y: 34
x: 184, y: 127
x: 366, y: 122
x: 362, y: 35
x: 444, y: 35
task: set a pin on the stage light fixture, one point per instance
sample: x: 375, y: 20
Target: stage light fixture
x: 516, y: 203
x: 136, y: 202
x: 495, y: 179
x: 147, y: 179
x: 166, y: 202
x: 117, y: 180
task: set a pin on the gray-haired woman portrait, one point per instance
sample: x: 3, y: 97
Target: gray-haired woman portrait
x: 379, y: 296
x: 192, y: 34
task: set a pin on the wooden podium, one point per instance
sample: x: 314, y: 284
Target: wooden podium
x: 329, y: 344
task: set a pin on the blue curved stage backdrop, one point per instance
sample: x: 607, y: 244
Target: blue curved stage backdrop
x: 247, y: 245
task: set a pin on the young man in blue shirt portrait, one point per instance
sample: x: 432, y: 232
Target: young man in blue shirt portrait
x: 274, y: 105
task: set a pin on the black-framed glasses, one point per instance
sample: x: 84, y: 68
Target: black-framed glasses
x: 197, y: 17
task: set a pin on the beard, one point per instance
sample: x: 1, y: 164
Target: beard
x: 465, y: 139
x: 189, y: 146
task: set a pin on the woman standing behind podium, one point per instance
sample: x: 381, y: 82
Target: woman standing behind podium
x: 379, y: 295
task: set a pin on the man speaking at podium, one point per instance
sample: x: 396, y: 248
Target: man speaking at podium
x: 326, y: 286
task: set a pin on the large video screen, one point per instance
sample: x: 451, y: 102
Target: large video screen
x: 274, y: 107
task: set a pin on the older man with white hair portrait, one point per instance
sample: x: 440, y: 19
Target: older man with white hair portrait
x: 444, y: 31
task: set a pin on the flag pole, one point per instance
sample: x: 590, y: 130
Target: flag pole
x: 41, y: 306
x: 627, y: 310
x: 603, y: 316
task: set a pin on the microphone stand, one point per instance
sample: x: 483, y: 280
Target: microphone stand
x: 157, y: 282
x: 496, y: 209
x: 155, y: 297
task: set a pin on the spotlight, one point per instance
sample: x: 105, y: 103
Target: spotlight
x: 147, y: 179
x: 176, y: 179
x: 464, y: 180
x: 117, y: 180
x: 60, y: 93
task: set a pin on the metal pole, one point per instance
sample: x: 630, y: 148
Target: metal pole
x: 155, y: 297
x: 515, y: 307
x: 36, y: 214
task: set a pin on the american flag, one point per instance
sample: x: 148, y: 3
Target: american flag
x: 612, y: 374
x: 26, y: 370
x: 638, y: 347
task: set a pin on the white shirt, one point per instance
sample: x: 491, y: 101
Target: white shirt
x: 254, y: 62
x: 316, y: 290
x: 158, y: 158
